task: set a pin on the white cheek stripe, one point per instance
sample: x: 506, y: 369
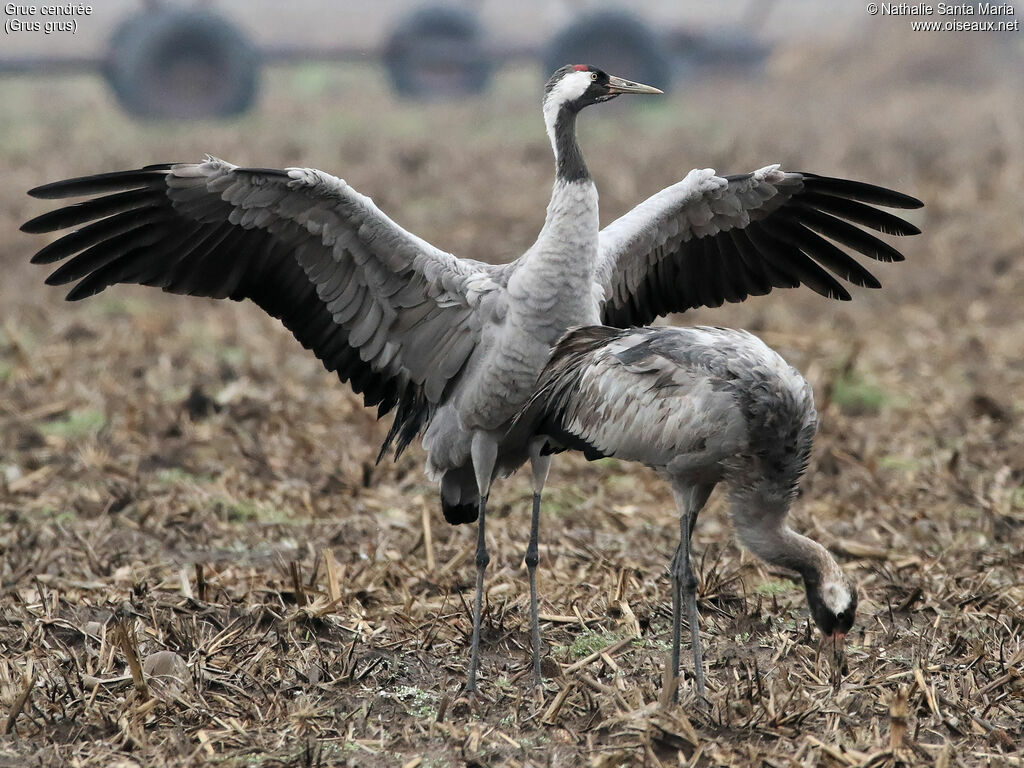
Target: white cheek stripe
x: 569, y: 88
x: 836, y: 597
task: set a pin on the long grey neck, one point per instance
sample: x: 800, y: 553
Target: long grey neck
x: 760, y: 522
x: 569, y: 165
x: 552, y: 286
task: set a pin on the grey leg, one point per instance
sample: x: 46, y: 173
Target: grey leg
x: 677, y: 568
x: 684, y: 582
x: 689, y: 586
x: 484, y: 452
x: 539, y: 465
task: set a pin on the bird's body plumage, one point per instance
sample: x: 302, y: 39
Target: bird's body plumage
x: 547, y: 289
x: 453, y: 346
x: 701, y: 406
x: 723, y: 403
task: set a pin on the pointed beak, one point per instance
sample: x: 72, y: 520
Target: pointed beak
x: 618, y: 85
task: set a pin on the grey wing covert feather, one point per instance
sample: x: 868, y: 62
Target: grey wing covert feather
x: 611, y: 392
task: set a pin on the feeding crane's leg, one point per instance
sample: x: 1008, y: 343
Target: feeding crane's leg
x: 690, y: 501
x: 484, y: 452
x: 539, y: 466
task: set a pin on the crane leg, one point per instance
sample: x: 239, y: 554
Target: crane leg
x: 684, y: 582
x: 677, y: 622
x: 539, y: 466
x: 484, y: 452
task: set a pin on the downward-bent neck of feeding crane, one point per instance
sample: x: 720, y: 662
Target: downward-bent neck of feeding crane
x: 760, y: 521
x: 759, y: 515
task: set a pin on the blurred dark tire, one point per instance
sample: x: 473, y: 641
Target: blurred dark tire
x: 437, y: 52
x: 617, y: 42
x: 182, y: 63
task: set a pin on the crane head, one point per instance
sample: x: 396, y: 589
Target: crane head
x: 833, y: 603
x: 575, y: 86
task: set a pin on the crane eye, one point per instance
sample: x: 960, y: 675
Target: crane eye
x: 593, y: 75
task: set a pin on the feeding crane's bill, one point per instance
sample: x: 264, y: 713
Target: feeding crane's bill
x: 453, y: 347
x: 701, y: 406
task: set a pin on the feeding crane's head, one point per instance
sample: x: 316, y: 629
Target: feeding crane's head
x: 832, y: 598
x: 576, y: 86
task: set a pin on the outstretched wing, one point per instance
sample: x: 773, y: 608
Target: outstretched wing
x: 384, y: 309
x: 710, y: 239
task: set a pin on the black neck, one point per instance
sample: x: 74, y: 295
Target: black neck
x: 569, y: 165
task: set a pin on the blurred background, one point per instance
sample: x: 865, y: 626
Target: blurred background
x: 201, y: 59
x: 164, y: 431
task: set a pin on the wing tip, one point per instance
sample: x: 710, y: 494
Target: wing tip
x: 35, y: 226
x: 48, y: 191
x: 878, y: 195
x: 99, y: 183
x: 80, y: 291
x: 42, y: 258
x: 841, y: 295
x: 909, y: 201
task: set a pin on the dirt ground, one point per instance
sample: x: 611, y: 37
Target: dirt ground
x: 179, y: 475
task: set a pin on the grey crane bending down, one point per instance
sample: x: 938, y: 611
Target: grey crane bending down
x: 454, y: 346
x: 701, y: 406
